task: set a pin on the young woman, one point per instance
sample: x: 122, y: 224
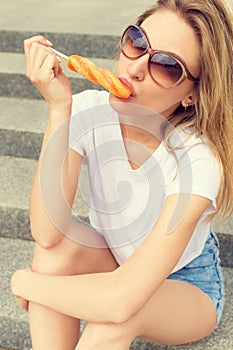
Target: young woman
x: 160, y: 170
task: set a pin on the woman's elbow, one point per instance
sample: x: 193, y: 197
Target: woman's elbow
x: 121, y: 316
x: 46, y: 237
x: 124, y: 313
x: 124, y: 308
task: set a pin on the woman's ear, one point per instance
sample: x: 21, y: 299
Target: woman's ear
x: 189, y: 100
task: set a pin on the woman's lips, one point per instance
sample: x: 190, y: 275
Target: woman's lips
x: 129, y: 85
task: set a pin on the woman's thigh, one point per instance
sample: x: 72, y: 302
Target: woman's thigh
x: 177, y: 313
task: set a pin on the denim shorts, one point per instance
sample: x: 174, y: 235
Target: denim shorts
x: 205, y: 273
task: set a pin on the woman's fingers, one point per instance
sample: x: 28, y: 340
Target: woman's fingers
x: 36, y: 50
x: 41, y: 62
x: 36, y: 57
x: 36, y: 39
x: 49, y: 69
x: 45, y: 72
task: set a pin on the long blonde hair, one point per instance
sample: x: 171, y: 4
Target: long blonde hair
x: 212, y: 115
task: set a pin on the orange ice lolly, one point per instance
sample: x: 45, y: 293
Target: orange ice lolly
x: 96, y: 75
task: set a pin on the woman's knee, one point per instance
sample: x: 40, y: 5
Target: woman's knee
x: 47, y: 237
x: 62, y: 259
x: 71, y: 258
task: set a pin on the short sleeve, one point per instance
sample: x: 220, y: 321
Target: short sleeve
x: 197, y: 173
x: 81, y: 122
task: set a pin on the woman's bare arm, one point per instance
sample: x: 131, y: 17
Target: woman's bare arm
x: 56, y: 161
x: 116, y: 296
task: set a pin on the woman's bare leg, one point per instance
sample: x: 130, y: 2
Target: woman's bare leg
x: 49, y: 329
x: 177, y: 313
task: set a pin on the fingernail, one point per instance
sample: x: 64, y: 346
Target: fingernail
x: 49, y: 42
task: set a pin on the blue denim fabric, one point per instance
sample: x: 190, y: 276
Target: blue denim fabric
x: 205, y: 273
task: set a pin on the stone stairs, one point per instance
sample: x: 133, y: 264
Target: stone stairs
x: 22, y: 121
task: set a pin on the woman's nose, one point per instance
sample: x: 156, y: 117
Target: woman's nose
x: 138, y: 68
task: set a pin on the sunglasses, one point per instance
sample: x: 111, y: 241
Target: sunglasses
x: 165, y: 69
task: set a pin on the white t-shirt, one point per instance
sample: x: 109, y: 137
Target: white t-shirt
x: 125, y: 203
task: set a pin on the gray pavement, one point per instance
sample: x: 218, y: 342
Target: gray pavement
x: 70, y: 16
x: 90, y: 28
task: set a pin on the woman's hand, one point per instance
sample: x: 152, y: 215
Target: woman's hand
x: 44, y: 70
x: 16, y: 281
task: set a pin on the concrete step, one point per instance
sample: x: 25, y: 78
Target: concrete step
x: 88, y: 45
x: 14, y: 63
x: 14, y: 330
x: 101, y: 17
x: 16, y: 178
x: 17, y: 85
x: 22, y: 123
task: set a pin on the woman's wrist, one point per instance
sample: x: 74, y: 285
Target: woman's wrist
x: 58, y: 116
x: 60, y: 112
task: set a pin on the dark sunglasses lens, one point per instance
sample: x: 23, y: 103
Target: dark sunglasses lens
x: 165, y: 69
x: 133, y: 42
